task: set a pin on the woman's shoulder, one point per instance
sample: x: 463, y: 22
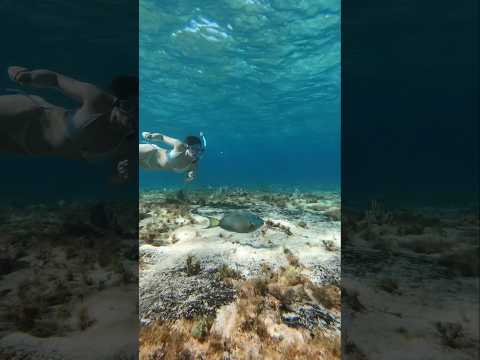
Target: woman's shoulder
x: 180, y: 147
x: 98, y: 102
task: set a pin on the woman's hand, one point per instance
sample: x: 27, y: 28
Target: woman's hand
x: 122, y: 169
x: 19, y: 74
x: 190, y: 176
x: 147, y: 136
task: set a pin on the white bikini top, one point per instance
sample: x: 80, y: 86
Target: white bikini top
x: 172, y: 154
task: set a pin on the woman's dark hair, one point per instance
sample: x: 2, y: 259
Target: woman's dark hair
x: 192, y: 140
x: 125, y: 86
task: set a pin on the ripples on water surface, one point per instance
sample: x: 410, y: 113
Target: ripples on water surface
x: 254, y: 75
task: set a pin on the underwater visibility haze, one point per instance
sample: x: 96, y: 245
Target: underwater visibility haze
x: 261, y: 80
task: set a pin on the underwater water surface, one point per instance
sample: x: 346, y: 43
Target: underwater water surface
x: 260, y: 78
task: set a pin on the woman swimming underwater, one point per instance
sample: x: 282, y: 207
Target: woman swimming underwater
x: 104, y: 126
x: 183, y: 157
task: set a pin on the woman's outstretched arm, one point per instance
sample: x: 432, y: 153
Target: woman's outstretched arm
x: 77, y: 90
x: 160, y: 137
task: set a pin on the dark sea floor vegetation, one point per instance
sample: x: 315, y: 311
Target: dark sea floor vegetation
x: 215, y: 294
x: 60, y: 265
x: 411, y: 279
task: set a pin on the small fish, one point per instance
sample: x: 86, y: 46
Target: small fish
x: 237, y: 221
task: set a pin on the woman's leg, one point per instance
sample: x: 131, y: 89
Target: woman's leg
x: 19, y: 114
x: 148, y: 155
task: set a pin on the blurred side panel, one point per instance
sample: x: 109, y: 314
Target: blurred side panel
x: 410, y: 231
x: 69, y: 180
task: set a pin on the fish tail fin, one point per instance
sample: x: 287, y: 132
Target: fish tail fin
x: 212, y: 222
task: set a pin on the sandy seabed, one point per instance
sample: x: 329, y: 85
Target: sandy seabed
x: 208, y: 293
x: 69, y: 281
x: 410, y: 283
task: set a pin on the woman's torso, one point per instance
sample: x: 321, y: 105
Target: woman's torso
x: 74, y: 133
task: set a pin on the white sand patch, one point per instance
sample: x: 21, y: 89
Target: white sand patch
x: 112, y: 332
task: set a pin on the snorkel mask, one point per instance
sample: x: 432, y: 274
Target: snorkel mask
x: 197, y: 151
x: 129, y: 108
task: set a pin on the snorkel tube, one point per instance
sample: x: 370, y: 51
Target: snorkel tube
x: 204, y: 141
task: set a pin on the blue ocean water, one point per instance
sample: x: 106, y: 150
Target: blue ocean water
x: 260, y: 78
x: 92, y: 41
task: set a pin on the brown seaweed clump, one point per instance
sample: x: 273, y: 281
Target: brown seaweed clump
x: 254, y: 325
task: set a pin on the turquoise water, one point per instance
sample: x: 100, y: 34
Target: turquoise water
x: 260, y: 78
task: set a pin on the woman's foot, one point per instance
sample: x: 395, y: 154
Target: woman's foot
x: 146, y: 135
x: 14, y: 71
